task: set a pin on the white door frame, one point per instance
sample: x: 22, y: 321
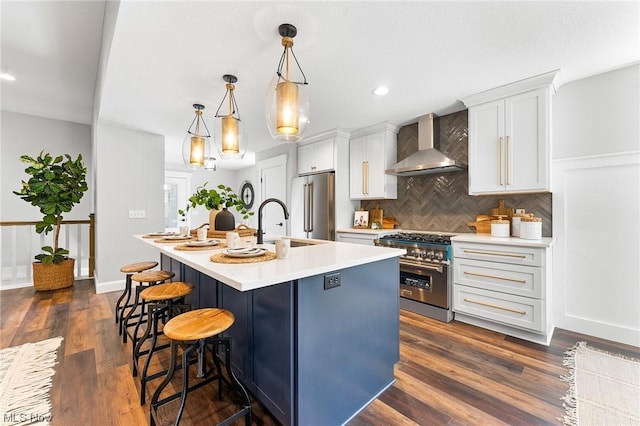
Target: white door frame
x: 279, y: 160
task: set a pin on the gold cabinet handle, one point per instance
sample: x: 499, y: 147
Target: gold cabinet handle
x: 508, y: 161
x: 500, y: 158
x: 515, y: 311
x: 494, y: 253
x: 366, y: 177
x: 515, y: 280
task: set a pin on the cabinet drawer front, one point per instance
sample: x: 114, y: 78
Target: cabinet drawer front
x: 530, y: 256
x: 511, y: 310
x: 512, y: 279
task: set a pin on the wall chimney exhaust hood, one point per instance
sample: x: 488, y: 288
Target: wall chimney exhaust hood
x: 427, y: 160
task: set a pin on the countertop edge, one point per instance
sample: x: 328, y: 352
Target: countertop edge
x: 509, y: 241
x: 199, y: 260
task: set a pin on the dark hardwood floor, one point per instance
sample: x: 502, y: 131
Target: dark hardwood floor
x: 453, y: 374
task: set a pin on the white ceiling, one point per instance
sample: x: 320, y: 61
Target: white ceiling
x: 167, y: 55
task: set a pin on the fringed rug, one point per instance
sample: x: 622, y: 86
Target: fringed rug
x: 26, y: 372
x: 604, y: 388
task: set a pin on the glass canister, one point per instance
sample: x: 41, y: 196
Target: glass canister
x: 531, y: 228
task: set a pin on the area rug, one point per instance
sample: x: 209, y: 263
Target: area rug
x: 604, y: 388
x: 26, y: 373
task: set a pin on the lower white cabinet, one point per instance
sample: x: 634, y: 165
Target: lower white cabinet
x: 504, y: 285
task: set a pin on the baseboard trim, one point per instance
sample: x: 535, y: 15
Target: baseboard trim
x: 108, y: 286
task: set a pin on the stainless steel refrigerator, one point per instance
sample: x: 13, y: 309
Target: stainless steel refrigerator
x: 313, y: 207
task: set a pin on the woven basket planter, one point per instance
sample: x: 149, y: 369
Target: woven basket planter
x: 53, y: 276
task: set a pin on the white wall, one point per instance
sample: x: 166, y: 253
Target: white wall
x: 29, y: 135
x: 129, y: 176
x: 596, y: 206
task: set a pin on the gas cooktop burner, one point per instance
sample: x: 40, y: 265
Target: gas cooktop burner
x: 418, y: 238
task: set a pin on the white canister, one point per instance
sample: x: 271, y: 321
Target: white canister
x: 500, y: 228
x: 515, y: 224
x: 531, y: 228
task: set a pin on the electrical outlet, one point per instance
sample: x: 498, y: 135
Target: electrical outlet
x: 137, y: 214
x: 331, y: 280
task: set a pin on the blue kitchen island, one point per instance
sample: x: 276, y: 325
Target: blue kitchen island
x: 312, y: 353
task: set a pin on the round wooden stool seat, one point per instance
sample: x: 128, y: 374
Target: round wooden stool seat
x: 138, y: 267
x: 166, y: 291
x: 152, y: 276
x: 198, y: 324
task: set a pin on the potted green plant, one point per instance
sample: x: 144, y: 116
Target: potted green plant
x: 56, y: 185
x: 224, y: 197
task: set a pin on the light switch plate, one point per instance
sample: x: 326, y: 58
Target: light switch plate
x: 137, y: 214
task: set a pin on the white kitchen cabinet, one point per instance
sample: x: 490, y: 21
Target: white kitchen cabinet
x: 364, y: 237
x: 317, y: 153
x: 372, y: 150
x: 503, y: 285
x: 510, y: 137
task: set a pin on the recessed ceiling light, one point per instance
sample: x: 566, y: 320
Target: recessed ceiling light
x: 7, y: 77
x: 381, y: 91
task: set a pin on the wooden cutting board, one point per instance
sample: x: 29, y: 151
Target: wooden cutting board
x: 501, y: 210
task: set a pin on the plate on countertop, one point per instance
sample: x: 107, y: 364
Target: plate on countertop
x: 245, y: 252
x: 205, y: 243
x: 177, y: 237
x: 161, y: 234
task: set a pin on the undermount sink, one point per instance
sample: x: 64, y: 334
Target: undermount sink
x: 299, y: 242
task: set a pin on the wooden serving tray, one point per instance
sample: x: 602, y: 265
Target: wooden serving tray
x: 242, y: 230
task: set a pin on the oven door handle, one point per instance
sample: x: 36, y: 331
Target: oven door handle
x: 413, y: 265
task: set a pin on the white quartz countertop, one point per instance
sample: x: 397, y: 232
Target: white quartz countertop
x: 367, y: 231
x: 508, y: 241
x: 302, y: 262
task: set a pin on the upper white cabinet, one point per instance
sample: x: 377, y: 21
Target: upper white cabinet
x: 317, y: 153
x: 372, y: 150
x: 510, y: 137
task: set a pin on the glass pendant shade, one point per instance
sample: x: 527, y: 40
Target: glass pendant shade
x: 229, y: 133
x: 196, y: 146
x: 287, y: 104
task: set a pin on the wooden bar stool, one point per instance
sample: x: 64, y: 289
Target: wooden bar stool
x: 129, y: 270
x: 162, y: 300
x: 192, y: 330
x: 143, y: 279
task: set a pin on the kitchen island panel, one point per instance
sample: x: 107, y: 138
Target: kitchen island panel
x: 347, y: 341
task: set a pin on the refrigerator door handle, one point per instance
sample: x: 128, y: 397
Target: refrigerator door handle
x: 305, y: 225
x: 310, y: 226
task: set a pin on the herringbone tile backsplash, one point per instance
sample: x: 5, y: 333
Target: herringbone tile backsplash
x: 441, y: 202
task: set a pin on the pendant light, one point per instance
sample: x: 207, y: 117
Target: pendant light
x: 210, y: 164
x: 287, y: 104
x: 196, y: 144
x: 229, y: 134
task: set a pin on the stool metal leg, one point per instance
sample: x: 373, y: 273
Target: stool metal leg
x: 157, y: 309
x: 185, y: 380
x: 126, y: 293
x: 125, y: 323
x: 138, y: 345
x: 238, y: 385
x: 153, y: 405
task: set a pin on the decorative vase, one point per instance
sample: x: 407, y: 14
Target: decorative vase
x: 53, y: 276
x: 212, y: 219
x: 225, y: 221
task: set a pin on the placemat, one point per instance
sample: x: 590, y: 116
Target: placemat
x: 153, y: 236
x: 223, y: 258
x: 162, y: 240
x: 184, y: 247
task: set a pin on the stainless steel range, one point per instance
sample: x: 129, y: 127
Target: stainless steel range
x: 425, y: 281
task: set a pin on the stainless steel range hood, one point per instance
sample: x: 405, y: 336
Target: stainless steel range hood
x: 427, y: 160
